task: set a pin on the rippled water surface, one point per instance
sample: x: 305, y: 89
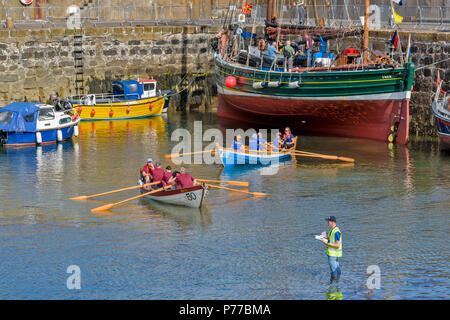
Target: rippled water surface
x: 392, y: 207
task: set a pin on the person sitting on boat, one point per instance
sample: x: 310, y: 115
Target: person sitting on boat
x: 157, y: 174
x: 237, y: 145
x: 167, y: 175
x: 223, y: 36
x: 288, y: 139
x: 181, y: 179
x: 146, y: 171
x: 272, y: 51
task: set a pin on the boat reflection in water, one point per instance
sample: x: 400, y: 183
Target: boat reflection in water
x: 183, y: 216
x: 124, y: 128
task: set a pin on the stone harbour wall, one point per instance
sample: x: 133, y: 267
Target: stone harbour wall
x: 37, y: 63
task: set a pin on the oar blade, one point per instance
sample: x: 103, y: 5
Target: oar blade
x: 347, y: 159
x: 79, y: 198
x: 237, y: 183
x: 259, y: 194
x: 102, y: 208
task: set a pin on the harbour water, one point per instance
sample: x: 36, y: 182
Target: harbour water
x: 392, y: 206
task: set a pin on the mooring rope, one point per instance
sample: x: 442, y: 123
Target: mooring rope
x: 432, y: 64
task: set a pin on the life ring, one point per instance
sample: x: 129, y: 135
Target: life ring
x: 261, y: 45
x: 75, y: 117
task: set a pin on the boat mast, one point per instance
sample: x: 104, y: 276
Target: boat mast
x: 270, y: 4
x: 366, y: 34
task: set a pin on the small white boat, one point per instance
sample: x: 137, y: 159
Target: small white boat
x: 188, y: 197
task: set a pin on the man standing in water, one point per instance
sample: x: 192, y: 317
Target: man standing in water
x: 334, y: 248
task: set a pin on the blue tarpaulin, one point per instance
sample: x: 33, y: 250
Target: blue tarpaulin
x: 247, y: 35
x: 19, y: 117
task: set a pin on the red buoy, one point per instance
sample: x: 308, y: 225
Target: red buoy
x: 80, y: 109
x: 230, y: 81
x: 128, y: 110
x: 241, y: 81
x: 150, y: 106
x: 92, y: 112
x: 111, y: 113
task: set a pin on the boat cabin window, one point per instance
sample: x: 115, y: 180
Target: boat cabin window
x: 65, y: 120
x: 6, y: 117
x: 149, y: 86
x: 133, y: 87
x: 29, y: 117
x: 46, y: 114
x: 118, y: 88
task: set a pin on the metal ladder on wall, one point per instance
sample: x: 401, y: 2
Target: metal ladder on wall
x: 78, y: 57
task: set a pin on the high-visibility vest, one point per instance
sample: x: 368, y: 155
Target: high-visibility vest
x: 332, y: 252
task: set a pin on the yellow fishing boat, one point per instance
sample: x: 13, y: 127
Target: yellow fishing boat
x: 132, y: 99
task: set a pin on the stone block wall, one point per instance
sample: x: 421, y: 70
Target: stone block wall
x: 37, y: 63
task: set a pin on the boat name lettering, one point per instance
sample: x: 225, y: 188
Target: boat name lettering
x: 387, y: 77
x: 191, y: 196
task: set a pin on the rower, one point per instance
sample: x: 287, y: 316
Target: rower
x: 276, y: 142
x: 181, y: 179
x: 146, y: 170
x: 288, y: 139
x: 261, y: 142
x: 237, y: 145
x: 157, y: 174
x: 167, y: 175
x: 253, y: 143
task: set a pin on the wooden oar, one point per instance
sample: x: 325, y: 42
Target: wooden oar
x: 168, y: 156
x: 110, y: 205
x: 323, y: 156
x: 114, y: 191
x: 233, y: 183
x: 256, y: 194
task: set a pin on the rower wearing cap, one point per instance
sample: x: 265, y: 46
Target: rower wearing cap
x: 146, y: 171
x: 334, y: 247
x: 181, y: 179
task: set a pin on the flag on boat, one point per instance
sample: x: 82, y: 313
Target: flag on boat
x: 394, y: 40
x: 399, y: 2
x: 246, y: 8
x: 397, y: 18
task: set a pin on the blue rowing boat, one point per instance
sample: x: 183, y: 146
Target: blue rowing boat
x: 232, y: 157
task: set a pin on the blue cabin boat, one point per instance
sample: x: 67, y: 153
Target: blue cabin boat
x: 28, y: 124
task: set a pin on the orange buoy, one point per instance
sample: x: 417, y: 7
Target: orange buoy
x: 92, y: 112
x: 150, y: 106
x: 111, y: 113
